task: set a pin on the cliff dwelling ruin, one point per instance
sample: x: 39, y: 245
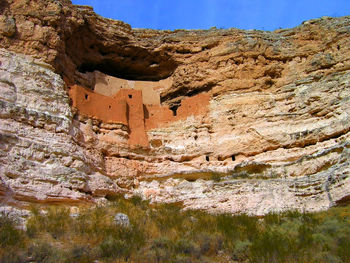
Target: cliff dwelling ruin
x: 135, y: 104
x: 156, y: 113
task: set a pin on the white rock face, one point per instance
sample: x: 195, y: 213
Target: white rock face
x: 282, y: 162
x: 258, y: 196
x: 39, y: 158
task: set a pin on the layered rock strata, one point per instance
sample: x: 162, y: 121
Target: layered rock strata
x: 274, y: 134
x: 41, y: 159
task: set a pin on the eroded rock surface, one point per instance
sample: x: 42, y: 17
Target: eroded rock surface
x: 275, y: 132
x: 40, y: 158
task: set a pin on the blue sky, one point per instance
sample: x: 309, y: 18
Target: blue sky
x: 203, y: 14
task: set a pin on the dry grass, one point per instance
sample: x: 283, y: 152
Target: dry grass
x: 164, y: 233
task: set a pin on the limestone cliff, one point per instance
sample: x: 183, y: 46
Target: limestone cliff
x: 274, y: 129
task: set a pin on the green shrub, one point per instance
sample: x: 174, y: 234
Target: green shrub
x: 246, y: 225
x: 227, y: 226
x: 58, y: 221
x: 54, y: 220
x: 35, y: 222
x: 237, y: 227
x: 114, y: 248
x: 343, y: 250
x: 292, y: 214
x: 13, y: 255
x: 163, y: 243
x: 9, y: 235
x: 241, y: 250
x: 94, y: 222
x: 327, y: 257
x: 334, y: 235
x: 273, y: 218
x: 182, y: 259
x: 202, y: 222
x: 209, y: 244
x: 305, y: 234
x: 151, y: 255
x: 186, y: 247
x: 45, y: 253
x: 161, y: 250
x: 169, y: 218
x: 137, y: 200
x: 271, y: 246
x: 80, y: 254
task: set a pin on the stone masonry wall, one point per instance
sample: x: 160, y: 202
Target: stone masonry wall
x: 97, y: 106
x: 160, y: 116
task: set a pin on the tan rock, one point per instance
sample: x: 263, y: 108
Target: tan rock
x: 274, y: 124
x: 7, y: 26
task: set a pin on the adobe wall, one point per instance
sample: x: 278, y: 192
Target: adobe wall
x: 136, y: 115
x: 195, y: 105
x: 159, y: 116
x: 109, y: 86
x: 97, y: 106
x: 149, y: 91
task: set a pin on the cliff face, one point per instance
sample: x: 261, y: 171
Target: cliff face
x: 275, y: 130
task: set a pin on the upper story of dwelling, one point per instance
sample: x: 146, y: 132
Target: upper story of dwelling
x: 109, y: 86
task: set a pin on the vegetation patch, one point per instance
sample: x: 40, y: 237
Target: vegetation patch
x: 165, y: 233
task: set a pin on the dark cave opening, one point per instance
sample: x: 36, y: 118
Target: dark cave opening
x: 85, y: 52
x: 139, y: 70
